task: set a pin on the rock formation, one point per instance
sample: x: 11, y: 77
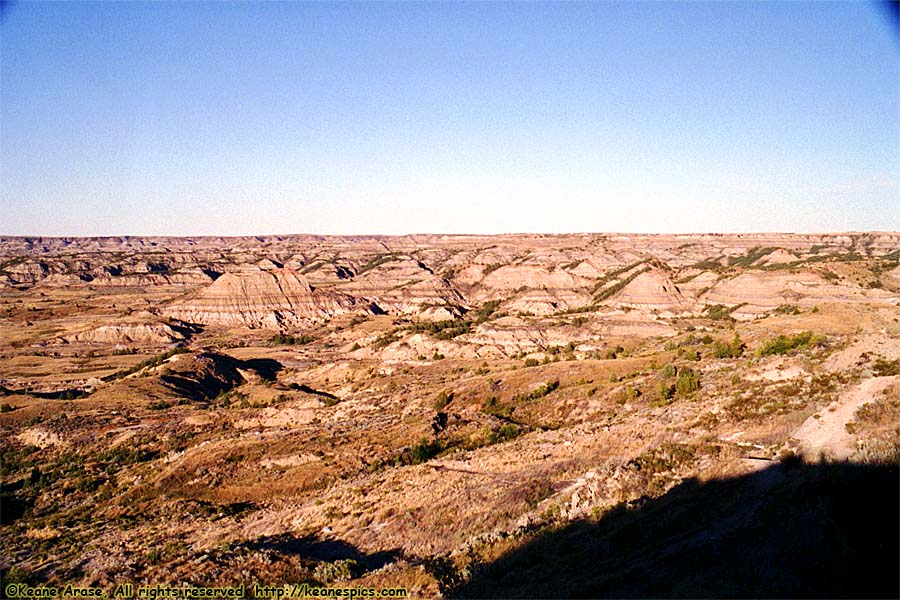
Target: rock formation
x: 268, y: 299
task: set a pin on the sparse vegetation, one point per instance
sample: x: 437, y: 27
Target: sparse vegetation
x: 148, y: 363
x: 443, y: 399
x: 663, y: 458
x: 628, y: 394
x: 471, y: 454
x: 542, y: 390
x: 884, y: 367
x: 753, y: 255
x: 784, y: 344
x: 735, y: 349
x: 443, y: 330
x: 687, y: 382
x: 421, y: 452
x: 720, y: 312
x: 493, y: 406
x: 284, y: 339
x: 787, y: 309
x: 610, y: 290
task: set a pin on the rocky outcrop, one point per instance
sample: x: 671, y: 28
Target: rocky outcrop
x: 143, y: 334
x: 261, y: 299
x: 758, y: 292
x: 436, y: 277
x: 777, y: 257
x: 532, y: 288
x: 652, y: 290
x: 398, y: 284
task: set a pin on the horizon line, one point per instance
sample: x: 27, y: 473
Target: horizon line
x: 4, y: 236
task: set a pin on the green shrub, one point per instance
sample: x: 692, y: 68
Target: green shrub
x: 628, y: 394
x: 687, y: 383
x: 226, y: 399
x: 611, y: 290
x: 883, y: 367
x: 669, y: 371
x: 376, y: 261
x: 443, y: 330
x: 488, y: 269
x: 290, y: 340
x: 18, y: 575
x: 753, y: 255
x: 12, y: 461
x: 494, y: 407
x: 542, y: 390
x: 784, y: 344
x: 787, y: 309
x: 531, y: 362
x: 386, y: 339
x: 720, y: 312
x: 720, y: 350
x: 506, y: 432
x: 733, y: 350
x: 486, y: 310
x: 689, y: 354
x: 422, y: 452
x: 665, y: 391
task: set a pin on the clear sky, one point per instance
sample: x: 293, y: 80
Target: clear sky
x: 287, y: 117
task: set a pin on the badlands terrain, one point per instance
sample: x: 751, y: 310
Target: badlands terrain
x: 462, y: 416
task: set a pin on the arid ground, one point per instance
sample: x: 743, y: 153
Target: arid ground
x: 467, y: 416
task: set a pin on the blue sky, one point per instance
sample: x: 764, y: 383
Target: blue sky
x: 355, y: 118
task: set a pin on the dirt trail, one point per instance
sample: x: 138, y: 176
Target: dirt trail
x: 827, y: 434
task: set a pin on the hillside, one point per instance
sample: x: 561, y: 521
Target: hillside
x: 466, y: 416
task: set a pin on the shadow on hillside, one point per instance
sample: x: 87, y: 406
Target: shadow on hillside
x: 66, y: 394
x: 267, y: 368
x: 792, y: 530
x: 212, y: 374
x: 322, y: 550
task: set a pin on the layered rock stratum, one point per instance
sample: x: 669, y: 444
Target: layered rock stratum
x: 280, y: 282
x: 275, y: 299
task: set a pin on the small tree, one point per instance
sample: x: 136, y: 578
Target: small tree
x: 737, y: 346
x: 666, y: 391
x: 687, y: 383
